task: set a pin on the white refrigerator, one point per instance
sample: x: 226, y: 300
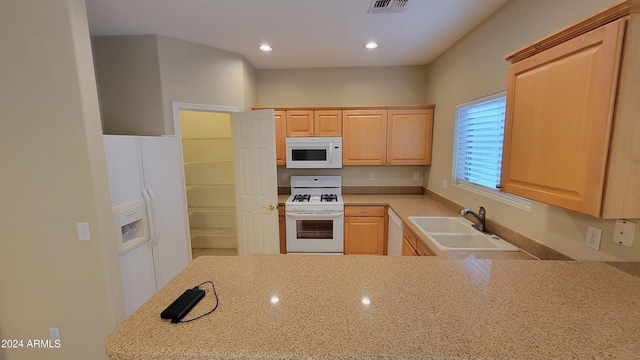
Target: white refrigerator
x: 146, y: 182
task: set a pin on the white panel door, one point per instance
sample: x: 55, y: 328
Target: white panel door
x: 164, y: 181
x: 254, y: 156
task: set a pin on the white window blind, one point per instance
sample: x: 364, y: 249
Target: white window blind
x: 478, y: 141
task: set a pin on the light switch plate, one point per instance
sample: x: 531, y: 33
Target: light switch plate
x: 593, y: 237
x: 623, y: 232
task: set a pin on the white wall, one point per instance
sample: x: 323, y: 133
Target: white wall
x: 53, y: 175
x: 475, y: 67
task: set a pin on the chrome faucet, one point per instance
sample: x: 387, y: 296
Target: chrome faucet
x: 480, y: 216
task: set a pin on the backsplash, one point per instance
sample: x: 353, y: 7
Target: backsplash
x: 364, y: 176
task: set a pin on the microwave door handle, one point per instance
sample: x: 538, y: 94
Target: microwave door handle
x: 330, y: 157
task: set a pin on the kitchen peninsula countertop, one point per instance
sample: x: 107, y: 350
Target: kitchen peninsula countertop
x: 415, y: 307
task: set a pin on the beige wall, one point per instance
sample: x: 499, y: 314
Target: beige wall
x: 475, y: 67
x: 200, y: 74
x: 128, y: 75
x: 139, y: 77
x: 53, y: 175
x: 372, y: 86
x: 394, y: 85
x: 250, y: 86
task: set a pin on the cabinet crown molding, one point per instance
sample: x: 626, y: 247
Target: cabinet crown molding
x: 613, y: 13
x: 381, y: 107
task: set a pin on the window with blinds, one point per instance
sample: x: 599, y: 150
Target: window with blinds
x: 478, y: 141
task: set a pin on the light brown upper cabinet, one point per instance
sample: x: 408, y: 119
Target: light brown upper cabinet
x: 572, y: 126
x: 387, y: 137
x: 409, y: 136
x: 364, y: 140
x: 314, y: 123
x: 281, y: 134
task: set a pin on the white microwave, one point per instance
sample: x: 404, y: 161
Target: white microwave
x: 314, y: 152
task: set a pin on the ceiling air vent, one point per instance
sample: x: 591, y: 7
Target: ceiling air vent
x: 385, y: 6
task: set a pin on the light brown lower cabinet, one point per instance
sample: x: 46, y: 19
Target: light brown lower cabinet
x: 411, y: 246
x: 407, y: 249
x: 364, y: 230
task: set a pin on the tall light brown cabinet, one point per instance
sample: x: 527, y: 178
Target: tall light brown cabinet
x: 572, y: 129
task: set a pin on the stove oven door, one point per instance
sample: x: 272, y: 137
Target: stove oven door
x: 315, y: 233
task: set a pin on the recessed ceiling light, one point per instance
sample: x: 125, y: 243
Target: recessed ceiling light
x: 265, y: 47
x: 371, y: 45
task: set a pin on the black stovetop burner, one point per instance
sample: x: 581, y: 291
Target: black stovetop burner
x: 329, y: 197
x: 301, y: 197
x: 307, y: 197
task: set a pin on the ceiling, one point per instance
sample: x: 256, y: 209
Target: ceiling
x: 303, y: 33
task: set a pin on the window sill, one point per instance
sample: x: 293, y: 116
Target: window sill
x: 515, y: 201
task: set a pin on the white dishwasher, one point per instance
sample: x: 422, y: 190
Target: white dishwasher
x: 394, y: 237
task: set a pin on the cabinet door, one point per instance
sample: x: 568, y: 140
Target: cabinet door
x: 422, y: 250
x: 281, y: 134
x: 299, y: 122
x: 364, y: 235
x: 409, y: 137
x: 558, y: 121
x: 364, y: 140
x: 327, y: 123
x: 407, y: 249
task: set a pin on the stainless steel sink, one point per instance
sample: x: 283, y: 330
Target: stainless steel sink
x: 457, y: 234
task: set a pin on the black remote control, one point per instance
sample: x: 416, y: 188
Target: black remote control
x: 182, y: 305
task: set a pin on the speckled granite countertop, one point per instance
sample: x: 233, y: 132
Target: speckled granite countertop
x: 419, y: 308
x: 420, y: 205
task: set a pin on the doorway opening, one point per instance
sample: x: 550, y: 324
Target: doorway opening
x: 207, y: 153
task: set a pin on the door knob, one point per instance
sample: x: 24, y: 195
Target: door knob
x: 270, y: 207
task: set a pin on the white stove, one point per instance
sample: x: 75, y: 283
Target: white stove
x: 315, y: 215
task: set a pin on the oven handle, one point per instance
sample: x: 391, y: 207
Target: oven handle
x: 315, y: 216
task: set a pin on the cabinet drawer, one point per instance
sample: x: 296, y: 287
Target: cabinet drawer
x: 409, y: 236
x: 364, y: 211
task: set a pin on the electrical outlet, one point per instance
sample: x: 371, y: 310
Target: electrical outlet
x: 444, y: 184
x: 623, y: 232
x: 372, y: 176
x: 83, y: 231
x: 284, y: 176
x: 416, y: 175
x: 54, y: 334
x: 593, y: 237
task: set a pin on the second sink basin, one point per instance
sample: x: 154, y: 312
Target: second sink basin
x: 457, y: 234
